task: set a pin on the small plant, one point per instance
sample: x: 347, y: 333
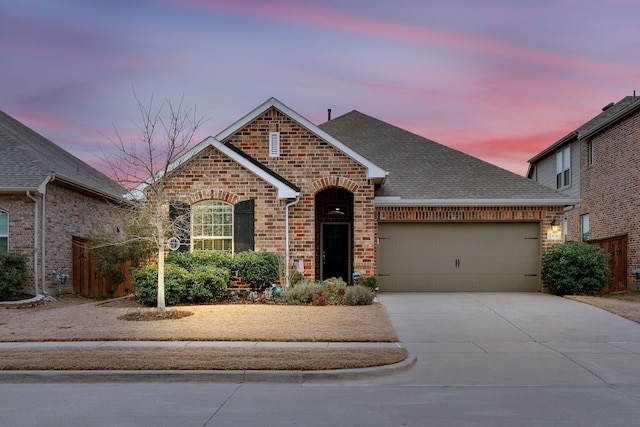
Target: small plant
x: 13, y: 273
x: 370, y: 282
x: 358, y: 295
x: 303, y: 292
x: 295, y: 277
x: 320, y: 299
x: 259, y: 270
x: 575, y: 268
x: 336, y: 288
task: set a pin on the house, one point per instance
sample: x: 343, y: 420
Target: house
x: 598, y: 164
x: 358, y: 195
x: 50, y: 201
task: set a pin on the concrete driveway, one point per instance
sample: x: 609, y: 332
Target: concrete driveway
x: 512, y: 339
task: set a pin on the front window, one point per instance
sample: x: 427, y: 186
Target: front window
x: 584, y: 219
x: 212, y: 226
x: 4, y: 231
x: 563, y: 168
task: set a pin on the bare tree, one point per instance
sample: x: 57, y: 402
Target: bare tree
x: 143, y: 167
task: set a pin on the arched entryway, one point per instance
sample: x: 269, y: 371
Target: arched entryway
x: 334, y: 234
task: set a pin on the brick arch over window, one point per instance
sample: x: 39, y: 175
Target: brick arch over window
x: 213, y: 194
x: 333, y: 182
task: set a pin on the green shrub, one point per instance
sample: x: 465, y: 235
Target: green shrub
x: 358, y: 295
x: 303, y: 292
x: 13, y: 273
x: 188, y: 260
x: 575, y: 268
x: 369, y: 282
x: 207, y: 283
x: 176, y: 280
x: 259, y: 270
x: 295, y: 277
x: 110, y: 254
x: 335, y: 287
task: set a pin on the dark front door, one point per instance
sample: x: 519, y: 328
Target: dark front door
x: 336, y: 250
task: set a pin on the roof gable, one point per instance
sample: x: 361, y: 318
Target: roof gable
x: 423, y: 172
x: 286, y: 189
x: 29, y: 161
x: 374, y: 172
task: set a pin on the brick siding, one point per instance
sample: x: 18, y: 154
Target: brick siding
x: 610, y: 188
x: 305, y: 160
x: 67, y: 213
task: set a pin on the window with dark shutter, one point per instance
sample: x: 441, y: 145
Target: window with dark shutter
x: 244, y: 228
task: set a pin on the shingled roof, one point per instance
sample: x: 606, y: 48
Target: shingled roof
x: 27, y: 160
x: 424, y: 172
x: 608, y: 114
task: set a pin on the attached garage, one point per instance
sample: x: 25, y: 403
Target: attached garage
x: 459, y: 257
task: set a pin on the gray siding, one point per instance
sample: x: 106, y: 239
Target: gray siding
x: 546, y: 171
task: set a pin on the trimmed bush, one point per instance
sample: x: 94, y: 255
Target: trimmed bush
x: 176, y: 280
x: 13, y: 273
x: 188, y: 260
x: 303, y: 292
x: 358, y: 295
x: 207, y: 283
x: 259, y: 270
x: 575, y: 268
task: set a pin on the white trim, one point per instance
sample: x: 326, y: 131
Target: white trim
x: 398, y: 201
x: 284, y: 190
x: 373, y: 171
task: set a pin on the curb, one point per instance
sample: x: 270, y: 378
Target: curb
x: 218, y: 376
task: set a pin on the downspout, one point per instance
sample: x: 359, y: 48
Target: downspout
x: 286, y: 239
x: 43, y: 190
x: 35, y: 242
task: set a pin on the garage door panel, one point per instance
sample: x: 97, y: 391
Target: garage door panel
x: 459, y: 257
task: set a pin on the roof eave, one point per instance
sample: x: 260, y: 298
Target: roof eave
x: 398, y: 201
x: 87, y: 189
x: 634, y: 106
x: 560, y: 143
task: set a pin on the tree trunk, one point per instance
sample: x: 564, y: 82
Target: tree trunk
x: 161, y: 304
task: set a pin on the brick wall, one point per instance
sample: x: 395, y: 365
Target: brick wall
x: 305, y: 160
x: 67, y: 213
x: 611, y: 187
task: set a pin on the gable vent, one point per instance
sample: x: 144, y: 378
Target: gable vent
x: 274, y: 144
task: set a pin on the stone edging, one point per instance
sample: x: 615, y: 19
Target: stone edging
x: 25, y: 303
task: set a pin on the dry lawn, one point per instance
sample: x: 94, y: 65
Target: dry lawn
x: 73, y: 318
x: 624, y: 304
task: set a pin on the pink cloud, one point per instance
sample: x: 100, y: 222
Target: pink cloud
x: 295, y: 12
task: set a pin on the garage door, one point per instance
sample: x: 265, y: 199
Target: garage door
x: 485, y: 257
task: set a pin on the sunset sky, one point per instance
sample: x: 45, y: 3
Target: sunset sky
x: 498, y: 79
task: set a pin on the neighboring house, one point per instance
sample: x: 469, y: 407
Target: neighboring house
x: 50, y: 202
x: 599, y: 164
x: 357, y: 195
